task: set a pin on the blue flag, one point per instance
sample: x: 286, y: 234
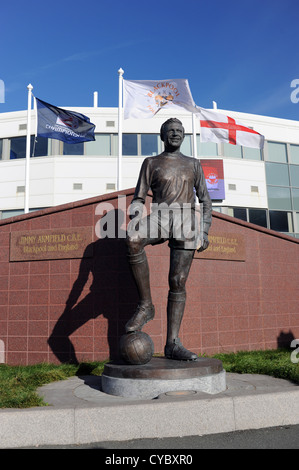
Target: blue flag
x: 60, y: 124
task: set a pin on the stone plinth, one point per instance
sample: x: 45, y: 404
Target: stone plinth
x: 162, y: 375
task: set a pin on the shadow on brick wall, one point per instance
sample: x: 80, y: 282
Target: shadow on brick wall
x: 111, y: 295
x: 284, y: 339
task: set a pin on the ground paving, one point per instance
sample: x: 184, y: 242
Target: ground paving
x: 78, y: 412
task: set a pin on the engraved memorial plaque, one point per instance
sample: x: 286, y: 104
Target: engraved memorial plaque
x: 224, y: 246
x: 62, y: 243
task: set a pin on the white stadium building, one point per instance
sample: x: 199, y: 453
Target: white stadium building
x: 261, y: 187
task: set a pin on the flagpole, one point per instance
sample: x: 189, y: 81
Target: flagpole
x: 27, y: 166
x: 194, y: 135
x: 120, y: 118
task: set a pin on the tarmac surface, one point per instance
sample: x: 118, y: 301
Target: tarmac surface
x: 80, y: 413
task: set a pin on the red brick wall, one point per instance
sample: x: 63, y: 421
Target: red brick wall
x: 49, y: 313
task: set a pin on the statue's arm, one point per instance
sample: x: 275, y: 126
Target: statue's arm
x: 141, y: 190
x: 204, y: 198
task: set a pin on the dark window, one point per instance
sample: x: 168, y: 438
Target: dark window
x: 149, y: 144
x: 18, y: 147
x: 258, y: 217
x: 73, y: 149
x: 240, y: 213
x: 129, y: 144
x: 40, y: 149
x: 279, y: 221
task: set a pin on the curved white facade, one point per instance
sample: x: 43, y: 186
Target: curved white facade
x: 268, y: 181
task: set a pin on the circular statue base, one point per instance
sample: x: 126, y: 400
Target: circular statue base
x: 162, y: 375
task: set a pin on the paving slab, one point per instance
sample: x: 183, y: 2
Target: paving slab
x: 79, y: 412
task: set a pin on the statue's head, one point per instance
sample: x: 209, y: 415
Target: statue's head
x: 172, y: 133
x: 167, y: 123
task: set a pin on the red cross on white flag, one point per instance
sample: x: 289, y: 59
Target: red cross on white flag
x: 216, y: 127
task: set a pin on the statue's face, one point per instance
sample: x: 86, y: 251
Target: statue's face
x: 173, y: 135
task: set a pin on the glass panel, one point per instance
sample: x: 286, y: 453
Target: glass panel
x: 240, y: 213
x: 279, y: 221
x: 258, y: 217
x: 252, y: 154
x: 297, y: 221
x: 294, y: 153
x: 277, y: 174
x: 206, y: 149
x: 294, y: 174
x: 149, y: 144
x: 11, y: 213
x: 100, y: 146
x: 130, y: 144
x: 279, y: 198
x: 186, y: 147
x: 114, y: 145
x: 295, y: 196
x: 1, y: 147
x: 73, y: 149
x: 232, y: 151
x: 18, y: 147
x: 277, y: 152
x: 217, y: 209
x: 39, y: 148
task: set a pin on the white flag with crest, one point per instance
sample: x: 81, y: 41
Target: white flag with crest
x: 145, y: 98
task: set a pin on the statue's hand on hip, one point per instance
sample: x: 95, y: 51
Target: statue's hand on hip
x: 204, y: 243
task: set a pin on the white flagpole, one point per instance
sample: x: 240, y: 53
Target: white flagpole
x: 120, y: 119
x: 194, y: 135
x: 27, y: 168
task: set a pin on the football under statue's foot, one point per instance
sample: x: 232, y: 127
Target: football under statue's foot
x: 177, y: 351
x: 143, y: 314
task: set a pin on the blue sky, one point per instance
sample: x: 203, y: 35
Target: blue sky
x: 243, y: 55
